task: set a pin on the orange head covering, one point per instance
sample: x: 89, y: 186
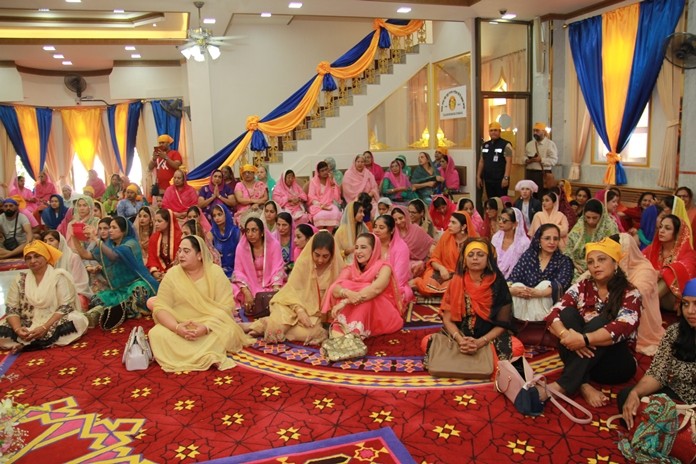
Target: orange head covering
x: 51, y: 254
x: 540, y: 126
x: 165, y: 138
x: 607, y: 246
x: 495, y: 125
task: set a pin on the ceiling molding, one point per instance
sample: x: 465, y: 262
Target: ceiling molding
x: 462, y: 3
x: 146, y: 63
x: 581, y: 11
x: 92, y: 42
x: 50, y: 72
x: 74, y: 22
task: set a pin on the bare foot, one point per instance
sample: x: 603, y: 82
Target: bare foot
x: 246, y: 326
x: 594, y: 397
x: 544, y: 390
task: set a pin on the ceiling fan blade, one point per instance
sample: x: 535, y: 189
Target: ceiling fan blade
x: 228, y: 37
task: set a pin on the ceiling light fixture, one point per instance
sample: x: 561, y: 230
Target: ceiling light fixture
x: 136, y: 56
x: 295, y: 5
x: 404, y: 9
x: 201, y: 41
x: 266, y: 14
x: 44, y: 10
x: 67, y: 63
x: 129, y: 48
x: 73, y: 1
x: 49, y: 48
x: 509, y: 16
x: 209, y: 21
x: 58, y: 56
x: 119, y: 10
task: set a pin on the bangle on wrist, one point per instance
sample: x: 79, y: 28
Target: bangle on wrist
x: 560, y: 335
x: 587, y: 340
x: 176, y: 329
x: 485, y: 339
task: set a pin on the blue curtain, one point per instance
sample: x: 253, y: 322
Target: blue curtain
x: 134, y: 109
x: 165, y: 122
x: 111, y: 120
x: 8, y: 116
x: 586, y: 47
x: 44, y: 118
x: 658, y: 19
x: 214, y: 162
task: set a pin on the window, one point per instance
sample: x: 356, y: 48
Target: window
x: 636, y: 151
x: 79, y: 173
x: 28, y: 181
x: 453, y: 85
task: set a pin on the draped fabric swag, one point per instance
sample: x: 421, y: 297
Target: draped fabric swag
x: 124, y: 120
x: 82, y: 126
x: 292, y: 111
x: 28, y: 129
x: 617, y: 57
x: 166, y: 123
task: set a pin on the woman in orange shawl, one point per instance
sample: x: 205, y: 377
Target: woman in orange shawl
x: 179, y: 196
x: 164, y: 244
x: 477, y: 307
x: 440, y: 269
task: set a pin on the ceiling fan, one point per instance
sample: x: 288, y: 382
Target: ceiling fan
x: 201, y: 42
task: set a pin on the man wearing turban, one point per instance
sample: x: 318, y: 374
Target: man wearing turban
x: 15, y: 230
x: 165, y: 161
x: 130, y: 205
x: 495, y: 163
x: 542, y: 156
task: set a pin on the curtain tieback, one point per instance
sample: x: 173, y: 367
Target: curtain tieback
x: 613, y: 158
x: 252, y: 123
x: 672, y: 122
x: 324, y: 67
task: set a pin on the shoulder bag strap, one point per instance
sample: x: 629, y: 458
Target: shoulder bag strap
x: 553, y: 395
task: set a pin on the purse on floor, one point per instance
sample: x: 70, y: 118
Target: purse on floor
x: 262, y: 302
x: 524, y: 395
x: 112, y: 317
x: 342, y: 347
x: 445, y: 360
x: 137, y: 355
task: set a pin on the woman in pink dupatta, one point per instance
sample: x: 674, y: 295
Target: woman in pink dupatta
x: 450, y: 174
x: 358, y: 179
x: 28, y: 204
x: 418, y: 241
x: 465, y: 204
x: 375, y: 169
x: 291, y: 198
x: 43, y: 190
x: 549, y: 214
x: 396, y: 186
x: 258, y: 265
x: 179, y: 196
x: 96, y: 183
x: 324, y: 198
x: 511, y: 233
x: 441, y: 210
x: 365, y: 296
x: 396, y: 253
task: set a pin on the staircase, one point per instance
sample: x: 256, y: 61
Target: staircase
x: 329, y: 104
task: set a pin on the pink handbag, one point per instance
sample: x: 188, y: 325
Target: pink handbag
x: 509, y: 382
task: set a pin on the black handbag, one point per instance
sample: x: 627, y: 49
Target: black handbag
x: 262, y: 302
x: 11, y: 243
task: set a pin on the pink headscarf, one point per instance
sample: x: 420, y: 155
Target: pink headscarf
x: 417, y: 240
x: 44, y: 191
x: 282, y: 194
x: 332, y: 192
x: 441, y: 221
x: 451, y: 175
x: 376, y: 170
x: 98, y: 185
x: 508, y: 258
x: 355, y: 182
x: 400, y: 264
x: 203, y: 220
x: 400, y: 180
x: 273, y: 265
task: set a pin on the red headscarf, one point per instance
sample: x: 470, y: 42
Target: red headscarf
x: 180, y: 199
x: 154, y: 260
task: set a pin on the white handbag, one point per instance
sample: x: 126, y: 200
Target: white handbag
x: 137, y: 355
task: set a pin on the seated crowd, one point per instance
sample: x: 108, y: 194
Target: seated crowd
x: 349, y: 252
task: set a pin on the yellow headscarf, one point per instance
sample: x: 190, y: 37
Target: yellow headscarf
x: 607, y: 246
x: 132, y: 188
x: 165, y: 138
x: 679, y: 210
x: 476, y: 245
x: 51, y: 254
x: 88, y: 189
x: 247, y: 168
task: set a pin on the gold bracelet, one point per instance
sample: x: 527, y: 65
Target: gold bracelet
x: 561, y: 333
x: 485, y: 340
x: 176, y: 329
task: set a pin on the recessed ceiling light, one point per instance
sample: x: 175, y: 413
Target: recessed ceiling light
x: 404, y: 9
x: 129, y: 48
x: 295, y: 5
x: 509, y: 16
x: 119, y: 10
x: 209, y: 21
x: 154, y: 25
x: 136, y: 55
x: 44, y: 10
x: 58, y: 56
x: 49, y: 48
x: 67, y: 63
x: 266, y: 15
x: 73, y: 1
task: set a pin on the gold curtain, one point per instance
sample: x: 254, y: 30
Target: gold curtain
x: 83, y: 126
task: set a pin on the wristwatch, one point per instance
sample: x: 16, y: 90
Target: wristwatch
x: 506, y: 178
x: 587, y: 340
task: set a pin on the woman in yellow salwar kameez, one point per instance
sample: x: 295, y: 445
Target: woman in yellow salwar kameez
x: 193, y: 313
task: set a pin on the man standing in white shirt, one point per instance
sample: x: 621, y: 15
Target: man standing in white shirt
x: 542, y: 156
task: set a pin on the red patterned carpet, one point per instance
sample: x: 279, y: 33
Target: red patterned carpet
x: 84, y: 406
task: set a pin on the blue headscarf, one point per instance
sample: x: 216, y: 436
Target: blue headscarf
x: 51, y: 217
x: 135, y: 263
x: 648, y: 222
x: 226, y: 244
x: 690, y: 288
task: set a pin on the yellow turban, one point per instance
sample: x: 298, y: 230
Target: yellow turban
x: 51, y: 254
x: 540, y: 126
x: 21, y: 202
x: 607, y: 246
x: 495, y: 125
x: 476, y: 245
x: 442, y: 150
x: 247, y: 168
x: 132, y: 188
x: 88, y: 189
x: 164, y: 138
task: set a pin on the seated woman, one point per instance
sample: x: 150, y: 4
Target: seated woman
x: 251, y: 194
x: 228, y: 177
x: 395, y: 252
x: 264, y: 176
x: 641, y: 275
x: 396, y: 185
x: 193, y: 312
x: 566, y: 188
x: 443, y: 261
x: 466, y: 204
x: 449, y: 172
x: 582, y: 196
x: 179, y: 197
x: 55, y: 213
x: 357, y: 180
x: 97, y: 279
x: 164, y: 243
x: 193, y: 227
x: 426, y: 178
x: 285, y: 235
x: 291, y: 198
x: 419, y: 243
x: 303, y: 232
x: 687, y: 196
x: 114, y: 192
x: 351, y: 227
x: 634, y: 214
x: 673, y: 368
x: 673, y: 257
x: 565, y: 208
x: 418, y: 213
x: 324, y: 198
x: 550, y: 214
x: 510, y: 241
x: 217, y: 192
x: 374, y: 168
x: 296, y: 308
x: 99, y: 211
x: 258, y: 265
x: 441, y: 210
x: 30, y: 204
x: 648, y: 224
x: 541, y: 276
x: 593, y: 227
x: 42, y: 305
x: 611, y: 202
x: 197, y: 215
x: 493, y: 206
x: 72, y: 264
x: 129, y: 283
x: 144, y: 226
x: 594, y: 326
x: 476, y: 309
x: 337, y: 173
x: 82, y: 218
x: 270, y: 218
x: 526, y: 202
x: 226, y: 237
x: 365, y: 297
x: 384, y: 206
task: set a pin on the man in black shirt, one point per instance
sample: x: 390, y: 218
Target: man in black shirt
x: 495, y: 163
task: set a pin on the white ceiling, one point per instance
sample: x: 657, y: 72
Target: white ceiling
x: 228, y: 13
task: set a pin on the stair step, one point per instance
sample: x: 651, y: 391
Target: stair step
x: 333, y: 112
x: 303, y: 134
